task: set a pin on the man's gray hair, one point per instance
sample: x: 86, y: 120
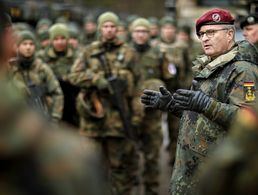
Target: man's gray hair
x: 229, y: 26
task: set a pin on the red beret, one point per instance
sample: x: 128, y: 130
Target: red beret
x: 214, y: 16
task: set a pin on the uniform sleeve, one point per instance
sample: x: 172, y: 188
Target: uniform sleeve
x: 55, y: 92
x: 80, y: 75
x: 242, y: 79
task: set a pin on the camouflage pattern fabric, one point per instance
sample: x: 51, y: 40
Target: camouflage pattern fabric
x: 87, y: 73
x: 179, y: 76
x: 39, y: 158
x: 61, y: 66
x: 231, y: 80
x: 99, y: 116
x: 39, y: 74
x: 148, y: 72
x: 233, y: 167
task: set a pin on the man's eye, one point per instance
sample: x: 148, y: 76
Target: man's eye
x: 209, y: 32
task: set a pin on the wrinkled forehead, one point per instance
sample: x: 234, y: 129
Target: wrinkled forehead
x: 211, y: 27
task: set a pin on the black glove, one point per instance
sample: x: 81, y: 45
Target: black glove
x: 194, y: 100
x: 157, y: 100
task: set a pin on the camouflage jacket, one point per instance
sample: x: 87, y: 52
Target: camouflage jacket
x: 149, y: 68
x: 87, y: 39
x: 61, y: 65
x: 233, y: 167
x: 179, y: 66
x: 39, y: 74
x: 231, y: 80
x: 40, y: 158
x: 88, y: 74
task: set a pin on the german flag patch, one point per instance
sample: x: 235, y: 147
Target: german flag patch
x: 249, y: 91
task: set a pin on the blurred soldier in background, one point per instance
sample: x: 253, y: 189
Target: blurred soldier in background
x: 225, y: 80
x: 122, y: 32
x: 89, y: 34
x: 102, y: 72
x: 37, y: 158
x: 168, y: 28
x: 60, y: 56
x: 43, y: 25
x: 250, y: 29
x: 179, y: 69
x: 37, y: 77
x: 74, y: 39
x: 184, y: 35
x: 148, y: 73
x: 43, y: 39
x: 154, y: 28
x: 233, y: 167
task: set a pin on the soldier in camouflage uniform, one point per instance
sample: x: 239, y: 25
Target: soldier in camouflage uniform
x: 36, y: 157
x: 59, y: 56
x: 39, y: 158
x: 100, y: 119
x: 233, y: 166
x: 37, y: 76
x: 43, y: 24
x: 122, y: 32
x: 74, y: 40
x: 184, y: 36
x: 148, y: 72
x: 226, y: 79
x: 89, y: 34
x: 180, y: 72
x: 249, y: 25
x: 43, y: 39
x: 154, y: 28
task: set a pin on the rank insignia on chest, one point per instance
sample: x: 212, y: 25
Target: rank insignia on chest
x: 249, y: 91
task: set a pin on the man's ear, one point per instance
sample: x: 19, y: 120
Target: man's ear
x: 230, y: 34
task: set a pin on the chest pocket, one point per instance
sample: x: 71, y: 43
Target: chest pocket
x: 207, y: 133
x: 149, y: 67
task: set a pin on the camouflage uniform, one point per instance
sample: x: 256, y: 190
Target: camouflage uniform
x: 231, y: 81
x: 233, y: 167
x: 41, y: 75
x: 38, y: 158
x: 181, y: 75
x: 61, y: 66
x: 86, y: 38
x: 194, y: 48
x: 99, y: 117
x: 149, y: 70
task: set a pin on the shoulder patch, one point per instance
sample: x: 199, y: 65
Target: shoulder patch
x: 249, y: 91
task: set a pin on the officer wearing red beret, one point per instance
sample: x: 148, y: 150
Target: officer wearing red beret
x: 225, y: 79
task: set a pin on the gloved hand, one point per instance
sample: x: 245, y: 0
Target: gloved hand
x: 162, y: 100
x: 194, y: 100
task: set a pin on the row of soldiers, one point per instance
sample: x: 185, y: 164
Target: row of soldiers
x: 95, y: 86
x: 108, y: 79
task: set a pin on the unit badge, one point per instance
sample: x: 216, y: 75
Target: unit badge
x: 249, y: 91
